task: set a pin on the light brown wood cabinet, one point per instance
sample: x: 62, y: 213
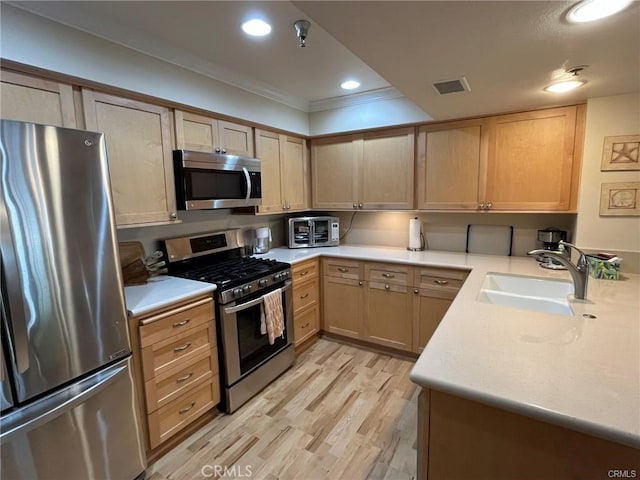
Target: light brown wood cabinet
x: 342, y: 297
x: 207, y: 134
x: 496, y: 444
x: 526, y: 161
x: 284, y: 172
x: 434, y: 291
x: 371, y: 171
x: 139, y: 152
x: 176, y: 366
x: 306, y: 300
x: 32, y: 99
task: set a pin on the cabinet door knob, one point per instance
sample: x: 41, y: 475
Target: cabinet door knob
x: 360, y: 283
x: 224, y: 150
x: 481, y: 206
x: 489, y: 205
x: 355, y: 205
x: 416, y: 291
x: 217, y: 149
x: 173, y: 215
x: 359, y: 205
x: 387, y: 287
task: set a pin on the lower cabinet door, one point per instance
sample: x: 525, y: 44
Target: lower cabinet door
x: 342, y: 307
x: 429, y: 307
x: 388, y: 315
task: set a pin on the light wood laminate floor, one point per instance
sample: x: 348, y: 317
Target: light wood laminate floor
x: 341, y: 412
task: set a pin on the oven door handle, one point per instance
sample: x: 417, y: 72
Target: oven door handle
x: 254, y: 302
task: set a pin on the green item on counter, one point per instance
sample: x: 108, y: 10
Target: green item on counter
x: 603, y: 269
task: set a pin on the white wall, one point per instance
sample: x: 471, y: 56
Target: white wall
x: 368, y: 115
x: 36, y: 41
x: 608, y: 116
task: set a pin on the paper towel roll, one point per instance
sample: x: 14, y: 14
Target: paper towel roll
x: 415, y: 240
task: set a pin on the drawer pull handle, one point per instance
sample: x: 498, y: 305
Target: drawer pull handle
x: 441, y: 282
x: 302, y: 274
x: 182, y: 347
x: 306, y: 325
x: 182, y: 323
x: 388, y: 275
x: 343, y: 270
x: 184, y: 410
x: 387, y: 287
x: 304, y: 296
x: 185, y: 378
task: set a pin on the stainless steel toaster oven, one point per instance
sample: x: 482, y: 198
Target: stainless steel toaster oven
x: 305, y: 232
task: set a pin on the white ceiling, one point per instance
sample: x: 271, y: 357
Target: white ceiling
x: 508, y: 50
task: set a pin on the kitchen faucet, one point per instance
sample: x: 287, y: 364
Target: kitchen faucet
x: 579, y: 271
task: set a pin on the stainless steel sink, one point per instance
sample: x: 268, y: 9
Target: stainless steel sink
x: 527, y: 293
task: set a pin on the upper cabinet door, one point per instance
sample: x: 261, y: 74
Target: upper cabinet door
x: 531, y: 159
x: 138, y: 138
x: 268, y: 150
x: 196, y: 132
x: 31, y: 99
x: 235, y: 139
x: 334, y: 164
x: 451, y: 165
x: 206, y: 134
x: 386, y: 169
x: 293, y: 170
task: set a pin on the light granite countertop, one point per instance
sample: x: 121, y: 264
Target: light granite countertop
x: 161, y: 291
x: 580, y: 373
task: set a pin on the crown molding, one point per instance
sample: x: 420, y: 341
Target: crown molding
x: 380, y: 94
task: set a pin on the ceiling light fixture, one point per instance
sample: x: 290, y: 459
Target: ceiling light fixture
x: 256, y: 28
x: 302, y: 30
x: 565, y: 84
x: 591, y: 10
x: 350, y: 85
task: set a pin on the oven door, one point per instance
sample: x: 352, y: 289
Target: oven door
x: 244, y: 347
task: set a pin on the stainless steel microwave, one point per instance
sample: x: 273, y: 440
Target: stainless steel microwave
x: 215, y: 180
x: 305, y: 232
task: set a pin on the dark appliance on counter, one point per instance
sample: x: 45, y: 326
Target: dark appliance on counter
x: 307, y: 232
x: 216, y: 180
x: 549, y: 239
x: 248, y: 362
x: 69, y: 408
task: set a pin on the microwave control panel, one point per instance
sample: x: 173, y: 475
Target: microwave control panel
x: 335, y: 231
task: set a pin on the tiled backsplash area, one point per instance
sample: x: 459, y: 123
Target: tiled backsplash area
x: 447, y: 231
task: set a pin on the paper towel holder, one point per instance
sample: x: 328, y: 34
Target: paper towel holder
x: 422, y: 242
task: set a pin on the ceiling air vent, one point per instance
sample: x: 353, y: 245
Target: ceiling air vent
x: 452, y: 86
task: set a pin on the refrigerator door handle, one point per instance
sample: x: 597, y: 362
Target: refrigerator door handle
x: 56, y: 406
x: 18, y: 332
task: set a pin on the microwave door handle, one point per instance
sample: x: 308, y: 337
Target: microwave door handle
x: 248, y: 179
x: 254, y: 302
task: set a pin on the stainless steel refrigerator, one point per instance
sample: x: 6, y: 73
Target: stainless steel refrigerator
x: 68, y: 400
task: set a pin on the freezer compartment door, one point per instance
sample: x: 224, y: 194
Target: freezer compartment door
x: 61, y: 283
x: 88, y: 430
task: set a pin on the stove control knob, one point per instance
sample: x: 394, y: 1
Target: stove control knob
x: 276, y: 276
x: 284, y: 274
x: 263, y: 282
x: 237, y: 292
x: 246, y: 288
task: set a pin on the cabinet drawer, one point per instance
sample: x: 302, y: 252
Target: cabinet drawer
x: 171, y: 322
x: 393, y: 274
x: 305, y: 294
x: 305, y: 323
x: 162, y: 356
x: 304, y: 271
x: 342, y: 268
x: 168, y: 420
x: 389, y: 287
x: 176, y: 381
x: 440, y: 278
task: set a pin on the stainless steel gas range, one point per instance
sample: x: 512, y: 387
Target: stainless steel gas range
x: 248, y: 362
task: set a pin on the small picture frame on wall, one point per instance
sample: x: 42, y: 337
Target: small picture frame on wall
x: 620, y: 199
x: 621, y: 153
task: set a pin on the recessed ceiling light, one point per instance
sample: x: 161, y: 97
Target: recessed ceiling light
x: 256, y: 28
x: 564, y: 86
x: 350, y: 84
x: 590, y: 10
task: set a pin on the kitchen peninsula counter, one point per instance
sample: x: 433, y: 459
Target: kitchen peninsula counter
x: 577, y: 372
